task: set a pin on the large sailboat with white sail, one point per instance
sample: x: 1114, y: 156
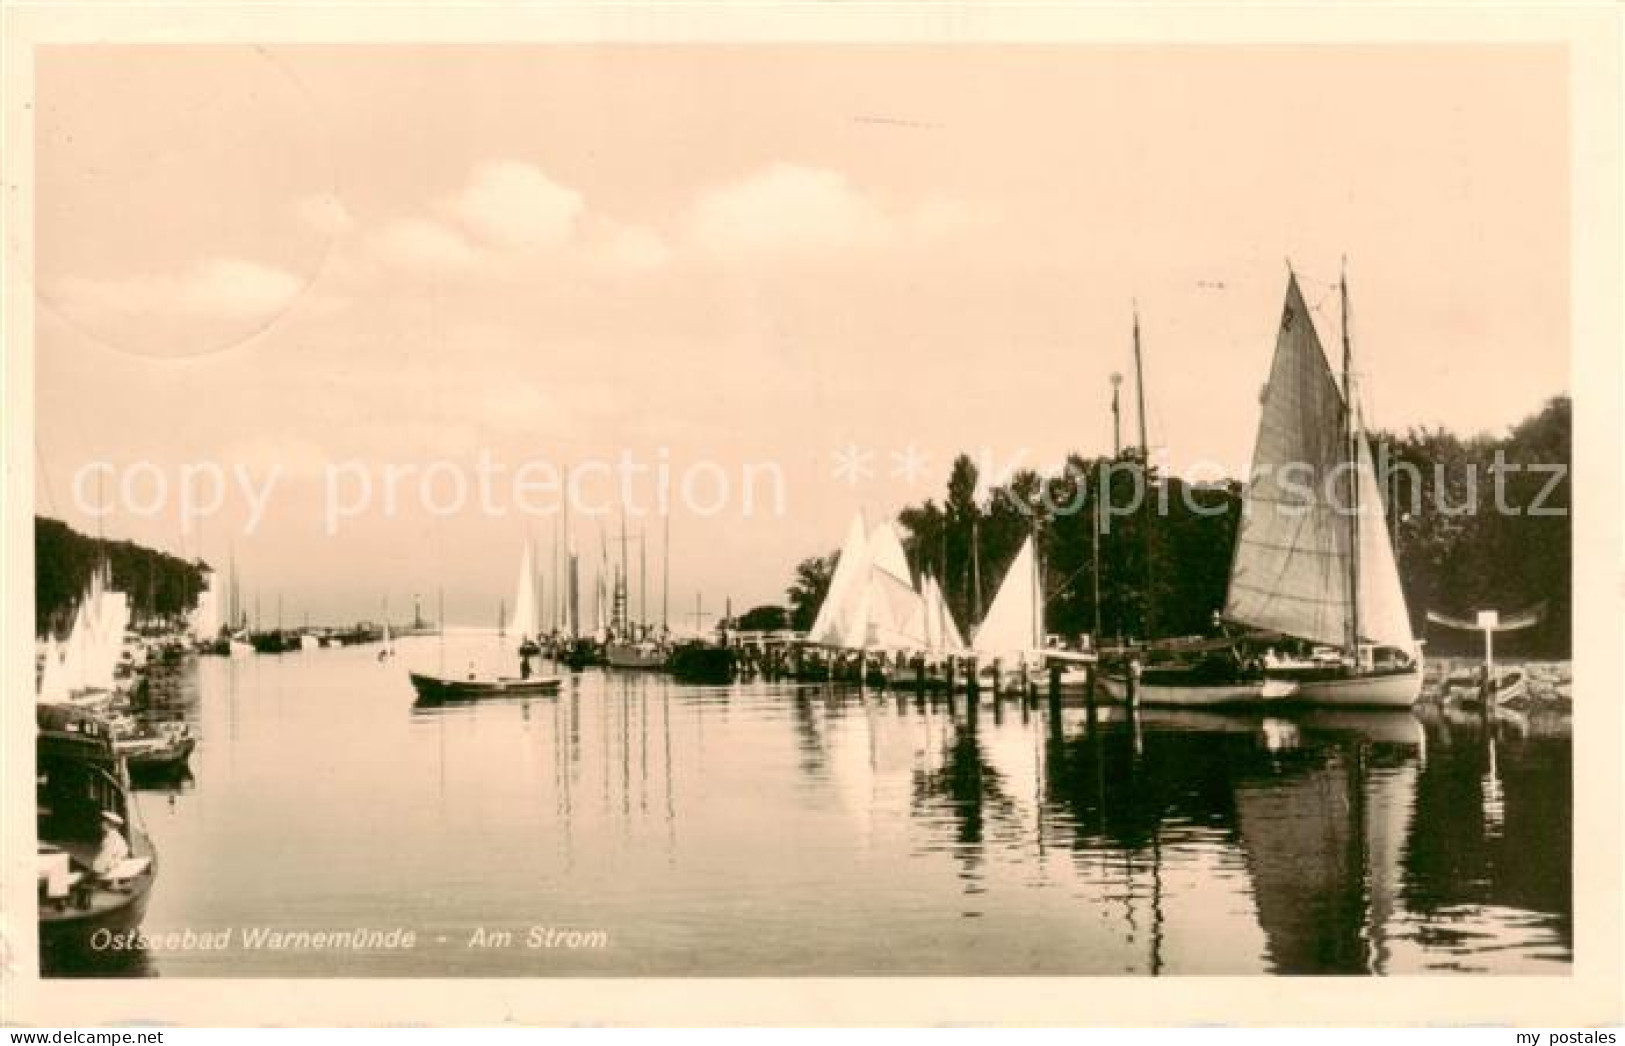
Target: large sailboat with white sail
x: 1313, y: 558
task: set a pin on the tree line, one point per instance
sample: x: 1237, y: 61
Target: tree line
x: 1163, y: 569
x: 161, y: 587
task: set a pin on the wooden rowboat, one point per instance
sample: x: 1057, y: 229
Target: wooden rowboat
x: 441, y: 688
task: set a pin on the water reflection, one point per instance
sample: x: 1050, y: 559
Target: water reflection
x: 781, y: 829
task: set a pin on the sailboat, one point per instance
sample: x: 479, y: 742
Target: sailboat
x: 524, y: 624
x: 1313, y: 560
x: 1012, y: 633
x: 1209, y: 675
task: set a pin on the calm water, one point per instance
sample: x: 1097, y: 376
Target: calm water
x: 776, y: 829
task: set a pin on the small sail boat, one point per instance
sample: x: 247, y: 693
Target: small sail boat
x: 524, y: 625
x: 1012, y: 633
x: 1313, y: 560
x: 836, y: 624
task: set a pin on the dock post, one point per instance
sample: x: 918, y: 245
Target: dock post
x: 1089, y: 686
x: 948, y: 681
x: 973, y: 681
x: 919, y: 676
x: 1132, y: 696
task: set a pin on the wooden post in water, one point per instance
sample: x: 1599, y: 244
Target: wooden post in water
x: 1089, y: 685
x: 1132, y: 697
x: 948, y: 680
x: 973, y: 681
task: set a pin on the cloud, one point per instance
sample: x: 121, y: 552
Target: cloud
x: 785, y: 210
x: 421, y: 243
x: 219, y: 288
x: 515, y: 207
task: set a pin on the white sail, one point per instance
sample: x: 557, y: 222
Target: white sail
x: 1384, y: 618
x: 53, y: 684
x: 943, y: 635
x: 886, y: 552
x: 1290, y: 571
x: 895, y: 613
x: 1014, y: 624
x: 839, y: 615
x: 524, y: 621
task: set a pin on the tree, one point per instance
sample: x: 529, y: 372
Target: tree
x: 807, y: 593
x: 765, y: 618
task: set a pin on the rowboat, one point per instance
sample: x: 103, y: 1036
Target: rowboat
x: 443, y: 688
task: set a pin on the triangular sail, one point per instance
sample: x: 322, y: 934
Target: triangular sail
x: 942, y: 634
x: 525, y: 621
x: 1015, y: 622
x: 1384, y: 618
x: 836, y: 614
x: 895, y: 613
x: 1290, y: 573
x: 886, y: 552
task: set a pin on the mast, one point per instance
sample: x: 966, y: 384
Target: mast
x: 1038, y: 592
x: 665, y: 576
x: 643, y: 581
x: 975, y: 569
x: 1145, y: 464
x: 1351, y: 436
x: 626, y: 574
x: 1094, y: 535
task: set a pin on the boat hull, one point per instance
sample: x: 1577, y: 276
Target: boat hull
x: 157, y: 762
x: 73, y: 929
x: 1398, y: 689
x: 1210, y: 695
x: 436, y: 688
x: 627, y: 656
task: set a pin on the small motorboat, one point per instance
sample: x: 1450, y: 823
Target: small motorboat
x: 156, y: 754
x: 445, y: 688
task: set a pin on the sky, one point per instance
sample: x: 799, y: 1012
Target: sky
x: 843, y: 263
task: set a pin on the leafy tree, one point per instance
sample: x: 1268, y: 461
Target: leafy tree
x: 807, y: 593
x: 765, y: 618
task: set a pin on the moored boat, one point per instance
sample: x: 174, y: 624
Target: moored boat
x: 701, y: 662
x: 1313, y: 560
x: 645, y: 655
x: 432, y: 688
x: 95, y: 865
x: 158, y: 753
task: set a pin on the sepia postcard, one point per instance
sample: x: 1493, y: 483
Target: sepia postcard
x: 931, y: 514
